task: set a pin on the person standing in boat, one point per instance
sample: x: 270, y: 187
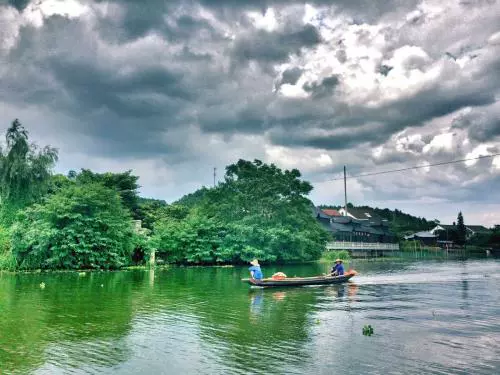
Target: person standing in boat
x: 338, y: 268
x: 255, y: 271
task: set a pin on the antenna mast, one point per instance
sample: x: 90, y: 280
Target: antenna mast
x: 345, y: 193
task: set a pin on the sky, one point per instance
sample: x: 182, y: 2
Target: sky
x: 173, y: 88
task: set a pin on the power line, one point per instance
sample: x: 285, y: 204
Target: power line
x: 417, y: 167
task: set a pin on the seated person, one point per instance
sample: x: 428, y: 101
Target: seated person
x: 255, y: 272
x: 338, y: 268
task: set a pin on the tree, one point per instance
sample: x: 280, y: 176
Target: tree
x: 150, y: 211
x: 265, y: 213
x: 25, y: 171
x: 461, y: 230
x: 258, y: 211
x: 58, y: 182
x: 124, y: 183
x: 77, y: 227
x: 72, y: 174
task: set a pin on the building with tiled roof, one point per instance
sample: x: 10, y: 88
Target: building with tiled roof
x: 346, y: 228
x: 330, y: 212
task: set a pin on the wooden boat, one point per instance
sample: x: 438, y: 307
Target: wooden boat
x: 299, y: 281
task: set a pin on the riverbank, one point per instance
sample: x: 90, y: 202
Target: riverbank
x: 327, y: 259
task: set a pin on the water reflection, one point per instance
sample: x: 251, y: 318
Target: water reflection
x: 256, y: 302
x: 205, y: 320
x: 279, y: 296
x: 352, y: 290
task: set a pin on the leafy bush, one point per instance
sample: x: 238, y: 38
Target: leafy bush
x: 192, y: 240
x: 334, y: 254
x: 80, y: 226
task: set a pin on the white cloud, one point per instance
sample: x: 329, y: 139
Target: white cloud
x: 306, y: 160
x: 36, y: 12
x: 494, y: 39
x: 481, y: 150
x: 496, y: 162
x: 440, y: 142
x: 266, y: 21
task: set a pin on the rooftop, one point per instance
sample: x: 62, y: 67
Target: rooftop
x: 330, y: 212
x: 365, y: 214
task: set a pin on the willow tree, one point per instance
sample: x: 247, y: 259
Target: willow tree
x: 25, y: 171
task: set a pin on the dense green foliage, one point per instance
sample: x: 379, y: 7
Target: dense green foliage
x: 331, y: 255
x: 402, y: 223
x: 124, y: 183
x: 84, y: 219
x: 25, y: 172
x: 77, y: 227
x: 7, y: 259
x: 258, y: 211
x: 193, y: 199
x: 150, y: 211
x: 489, y: 239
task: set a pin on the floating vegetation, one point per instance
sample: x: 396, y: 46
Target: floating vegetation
x: 42, y: 285
x: 367, y: 330
x: 82, y: 273
x: 318, y: 321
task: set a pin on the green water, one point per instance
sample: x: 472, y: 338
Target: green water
x: 433, y: 317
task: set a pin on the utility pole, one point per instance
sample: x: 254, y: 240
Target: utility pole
x: 345, y: 193
x: 215, y: 174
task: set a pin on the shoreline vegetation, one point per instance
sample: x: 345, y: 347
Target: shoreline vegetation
x: 327, y: 258
x: 87, y: 221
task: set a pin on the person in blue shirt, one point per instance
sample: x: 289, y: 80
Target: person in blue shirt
x: 338, y: 268
x: 255, y: 271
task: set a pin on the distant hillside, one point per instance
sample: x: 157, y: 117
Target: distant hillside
x: 400, y: 222
x: 192, y: 199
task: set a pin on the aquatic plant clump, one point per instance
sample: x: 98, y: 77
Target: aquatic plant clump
x: 367, y: 330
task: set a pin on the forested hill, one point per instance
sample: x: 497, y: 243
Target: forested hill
x: 400, y: 222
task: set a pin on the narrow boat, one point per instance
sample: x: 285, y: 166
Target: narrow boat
x: 299, y: 281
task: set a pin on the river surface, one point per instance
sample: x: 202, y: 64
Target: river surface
x: 432, y: 317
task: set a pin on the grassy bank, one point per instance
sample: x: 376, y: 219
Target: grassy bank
x: 330, y: 256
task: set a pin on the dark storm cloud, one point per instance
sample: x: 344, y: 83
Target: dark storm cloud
x: 89, y: 83
x: 142, y: 18
x: 359, y: 125
x: 93, y: 88
x: 482, y: 125
x: 72, y: 76
x: 325, y: 88
x: 18, y: 4
x: 291, y: 76
x: 275, y: 46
